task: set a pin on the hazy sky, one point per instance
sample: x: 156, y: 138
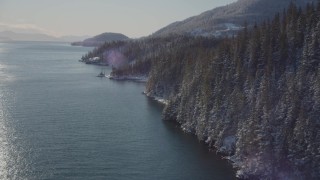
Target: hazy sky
x: 134, y: 18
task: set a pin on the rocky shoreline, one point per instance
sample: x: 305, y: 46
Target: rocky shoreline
x: 141, y: 79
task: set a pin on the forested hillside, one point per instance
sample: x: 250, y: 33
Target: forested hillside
x: 135, y: 57
x: 254, y: 97
x: 100, y: 39
x: 229, y: 18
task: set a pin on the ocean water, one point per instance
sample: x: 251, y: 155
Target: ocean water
x: 59, y: 121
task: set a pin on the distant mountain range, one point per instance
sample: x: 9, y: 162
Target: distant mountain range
x: 74, y: 40
x: 14, y: 36
x: 100, y: 39
x: 220, y: 21
x: 229, y: 18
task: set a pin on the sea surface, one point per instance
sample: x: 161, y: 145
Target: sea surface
x: 59, y: 121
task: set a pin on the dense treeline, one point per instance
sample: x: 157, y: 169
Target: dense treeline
x: 168, y: 48
x: 256, y: 97
x: 141, y: 54
x: 233, y: 15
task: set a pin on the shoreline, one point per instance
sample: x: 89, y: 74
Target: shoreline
x: 140, y: 79
x: 156, y: 98
x: 223, y: 154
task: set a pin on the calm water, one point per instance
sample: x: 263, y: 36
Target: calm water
x: 59, y: 121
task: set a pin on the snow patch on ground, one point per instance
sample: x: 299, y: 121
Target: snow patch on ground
x: 161, y: 100
x: 227, y: 29
x: 157, y: 98
x: 231, y: 26
x: 219, y: 30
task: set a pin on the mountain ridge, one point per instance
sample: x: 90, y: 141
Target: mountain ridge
x: 215, y: 22
x: 101, y: 39
x: 15, y: 36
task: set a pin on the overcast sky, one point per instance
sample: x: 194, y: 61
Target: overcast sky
x: 134, y: 18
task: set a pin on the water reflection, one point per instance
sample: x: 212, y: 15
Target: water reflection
x: 4, y: 140
x: 4, y: 75
x: 12, y: 159
x: 194, y: 151
x: 59, y: 121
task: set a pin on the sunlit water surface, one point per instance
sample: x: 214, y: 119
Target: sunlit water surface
x: 59, y: 121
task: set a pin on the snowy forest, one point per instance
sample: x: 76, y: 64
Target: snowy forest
x: 254, y: 97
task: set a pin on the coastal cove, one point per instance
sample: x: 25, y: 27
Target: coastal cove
x: 59, y: 121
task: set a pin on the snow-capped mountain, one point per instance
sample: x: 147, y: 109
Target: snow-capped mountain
x: 229, y: 18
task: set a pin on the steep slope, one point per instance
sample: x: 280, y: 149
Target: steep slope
x: 229, y: 18
x: 255, y: 98
x: 101, y: 39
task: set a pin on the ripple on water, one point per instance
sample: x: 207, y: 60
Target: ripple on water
x: 4, y: 75
x: 13, y: 152
x: 58, y: 121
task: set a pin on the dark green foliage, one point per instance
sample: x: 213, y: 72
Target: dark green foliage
x: 259, y: 92
x: 261, y: 87
x: 101, y: 39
